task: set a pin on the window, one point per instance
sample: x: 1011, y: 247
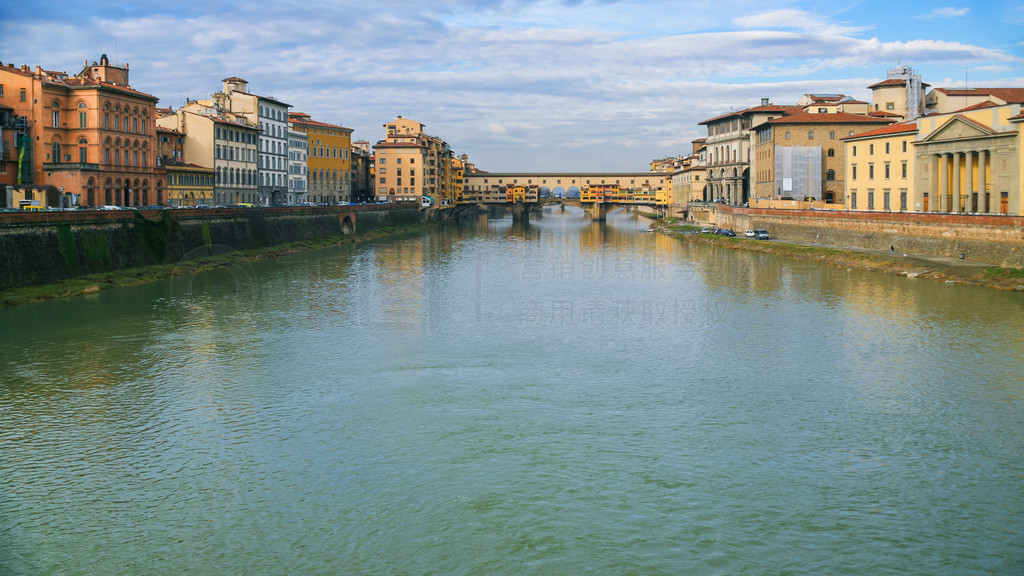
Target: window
x: 83, y: 151
x: 56, y: 114
x: 871, y: 149
x: 871, y: 172
x: 787, y: 135
x: 853, y: 151
x: 55, y: 152
x: 890, y: 105
x: 832, y: 135
x: 904, y: 145
x: 853, y: 199
x: 810, y: 135
x: 23, y: 96
x: 853, y: 174
x: 886, y: 170
x: 885, y: 199
x: 831, y: 152
x: 106, y: 121
x: 822, y: 110
x: 830, y: 175
x: 904, y: 169
x: 886, y: 147
x: 903, y: 199
x: 871, y: 199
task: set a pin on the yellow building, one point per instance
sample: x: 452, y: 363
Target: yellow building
x: 329, y: 159
x: 880, y: 169
x: 411, y: 165
x: 966, y: 161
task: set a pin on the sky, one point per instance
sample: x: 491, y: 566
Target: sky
x: 525, y: 85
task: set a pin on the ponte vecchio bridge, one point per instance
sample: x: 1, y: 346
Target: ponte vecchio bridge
x: 596, y: 193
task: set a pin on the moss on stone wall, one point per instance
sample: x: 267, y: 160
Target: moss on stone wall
x: 48, y: 252
x: 66, y: 241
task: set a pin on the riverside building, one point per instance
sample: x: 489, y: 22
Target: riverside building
x: 411, y: 165
x: 87, y: 139
x: 329, y: 159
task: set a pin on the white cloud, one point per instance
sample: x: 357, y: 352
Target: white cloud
x: 947, y: 12
x: 799, y: 20
x: 515, y: 84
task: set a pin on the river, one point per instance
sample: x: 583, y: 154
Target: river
x: 564, y: 397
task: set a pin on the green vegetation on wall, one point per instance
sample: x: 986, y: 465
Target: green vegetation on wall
x: 155, y: 235
x: 66, y: 241
x: 97, y: 250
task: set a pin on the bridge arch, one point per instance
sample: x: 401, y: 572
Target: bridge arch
x: 573, y: 192
x: 558, y: 192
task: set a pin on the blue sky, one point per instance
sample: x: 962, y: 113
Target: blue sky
x: 522, y: 85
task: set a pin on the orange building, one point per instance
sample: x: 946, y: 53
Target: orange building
x: 90, y: 139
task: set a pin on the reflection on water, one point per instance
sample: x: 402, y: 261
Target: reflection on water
x: 554, y: 397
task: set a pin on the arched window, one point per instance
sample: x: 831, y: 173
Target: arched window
x: 55, y: 152
x: 56, y: 113
x: 831, y: 152
x: 830, y: 175
x: 83, y: 117
x: 83, y: 150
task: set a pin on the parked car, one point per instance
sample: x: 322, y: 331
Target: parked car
x: 749, y: 233
x: 726, y: 232
x: 761, y: 234
x: 705, y: 230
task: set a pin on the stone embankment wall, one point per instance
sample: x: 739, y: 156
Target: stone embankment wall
x: 45, y: 247
x: 997, y: 240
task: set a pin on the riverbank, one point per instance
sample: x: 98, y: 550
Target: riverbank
x: 910, y: 265
x: 94, y: 283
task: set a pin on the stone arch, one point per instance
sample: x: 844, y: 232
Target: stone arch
x: 558, y: 192
x: 348, y: 223
x: 573, y: 192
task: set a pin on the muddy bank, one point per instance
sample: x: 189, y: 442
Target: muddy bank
x: 909, y: 265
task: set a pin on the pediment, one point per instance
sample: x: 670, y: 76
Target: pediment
x: 959, y: 128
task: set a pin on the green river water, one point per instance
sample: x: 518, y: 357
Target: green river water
x: 559, y: 398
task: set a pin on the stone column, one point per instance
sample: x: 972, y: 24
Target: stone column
x: 969, y: 185
x: 983, y: 204
x: 954, y: 200
x: 941, y: 203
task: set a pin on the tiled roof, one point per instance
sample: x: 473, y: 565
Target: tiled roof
x: 1008, y: 95
x: 883, y: 114
x: 898, y: 128
x: 301, y: 118
x: 980, y: 106
x: 756, y: 109
x: 889, y: 82
x: 831, y: 118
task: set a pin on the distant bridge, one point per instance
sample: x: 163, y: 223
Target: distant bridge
x: 597, y: 194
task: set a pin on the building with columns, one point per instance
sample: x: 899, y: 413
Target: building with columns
x: 964, y: 162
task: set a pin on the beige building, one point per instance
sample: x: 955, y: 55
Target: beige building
x: 271, y: 117
x: 900, y: 95
x: 224, y: 141
x: 802, y: 156
x: 946, y: 100
x: 729, y: 143
x: 411, y: 165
